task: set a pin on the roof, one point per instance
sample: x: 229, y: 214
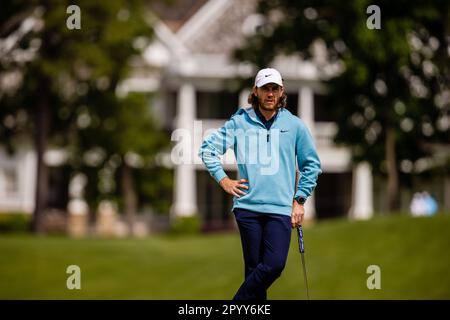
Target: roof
x: 174, y: 13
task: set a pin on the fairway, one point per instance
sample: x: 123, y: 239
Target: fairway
x: 412, y: 254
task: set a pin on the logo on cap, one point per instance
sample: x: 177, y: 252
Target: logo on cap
x: 268, y: 75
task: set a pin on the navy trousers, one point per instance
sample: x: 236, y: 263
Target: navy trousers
x: 265, y: 244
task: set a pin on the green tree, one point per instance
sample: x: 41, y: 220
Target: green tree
x: 391, y: 100
x: 60, y: 73
x: 123, y: 148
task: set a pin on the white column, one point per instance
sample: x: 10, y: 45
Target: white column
x: 27, y: 176
x: 243, y: 98
x: 362, y: 192
x: 185, y: 203
x: 78, y: 209
x: 306, y: 113
x: 310, y: 208
x: 306, y: 107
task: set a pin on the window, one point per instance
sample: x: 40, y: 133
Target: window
x: 292, y: 103
x: 322, y: 108
x: 216, y: 105
x: 213, y: 203
x: 8, y: 182
x: 170, y: 110
x: 331, y: 199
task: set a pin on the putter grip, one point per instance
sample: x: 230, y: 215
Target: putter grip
x: 301, y: 245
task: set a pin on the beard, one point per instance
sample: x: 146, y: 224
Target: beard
x: 272, y: 107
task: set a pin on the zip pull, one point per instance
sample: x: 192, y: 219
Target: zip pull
x: 267, y: 135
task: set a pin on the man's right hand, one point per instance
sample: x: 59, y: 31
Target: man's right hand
x: 232, y: 186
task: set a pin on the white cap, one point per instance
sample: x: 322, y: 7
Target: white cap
x: 268, y: 75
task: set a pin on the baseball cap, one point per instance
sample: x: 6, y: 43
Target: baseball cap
x: 268, y: 75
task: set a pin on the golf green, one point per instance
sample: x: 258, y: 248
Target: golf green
x: 411, y: 253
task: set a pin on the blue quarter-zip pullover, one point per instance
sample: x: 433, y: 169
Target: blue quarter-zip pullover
x: 266, y: 158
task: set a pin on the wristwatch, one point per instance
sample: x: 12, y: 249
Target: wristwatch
x: 300, y: 200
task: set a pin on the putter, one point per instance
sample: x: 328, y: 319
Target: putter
x: 301, y: 247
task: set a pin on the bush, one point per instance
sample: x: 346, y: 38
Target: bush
x: 15, y: 222
x: 186, y: 225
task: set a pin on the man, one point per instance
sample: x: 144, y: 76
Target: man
x: 267, y: 141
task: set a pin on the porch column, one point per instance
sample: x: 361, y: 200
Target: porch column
x: 27, y: 178
x: 310, y: 208
x: 306, y: 107
x: 185, y: 203
x: 305, y: 112
x: 243, y: 98
x: 362, y: 192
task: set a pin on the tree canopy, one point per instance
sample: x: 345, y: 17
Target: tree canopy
x: 62, y: 82
x: 391, y: 101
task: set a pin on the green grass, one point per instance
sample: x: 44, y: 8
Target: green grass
x: 413, y: 254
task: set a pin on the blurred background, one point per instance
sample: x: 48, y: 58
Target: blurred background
x: 91, y: 95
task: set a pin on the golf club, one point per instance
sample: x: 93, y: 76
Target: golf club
x: 301, y: 247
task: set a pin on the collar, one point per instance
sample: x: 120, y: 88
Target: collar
x: 251, y: 113
x: 263, y: 119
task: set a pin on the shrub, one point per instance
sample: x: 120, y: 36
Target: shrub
x: 15, y: 222
x: 186, y: 225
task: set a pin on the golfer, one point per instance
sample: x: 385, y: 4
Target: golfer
x: 267, y: 141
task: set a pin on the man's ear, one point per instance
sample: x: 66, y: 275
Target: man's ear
x: 254, y: 91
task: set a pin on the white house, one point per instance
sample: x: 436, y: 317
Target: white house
x: 189, y: 68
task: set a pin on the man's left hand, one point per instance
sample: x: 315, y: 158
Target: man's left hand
x: 298, y: 213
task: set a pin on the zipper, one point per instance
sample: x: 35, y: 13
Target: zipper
x: 258, y: 121
x: 268, y: 130
x: 262, y: 124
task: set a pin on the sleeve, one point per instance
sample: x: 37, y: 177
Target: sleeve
x: 308, y: 163
x: 217, y: 144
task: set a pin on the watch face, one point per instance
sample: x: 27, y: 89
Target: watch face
x: 301, y: 200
